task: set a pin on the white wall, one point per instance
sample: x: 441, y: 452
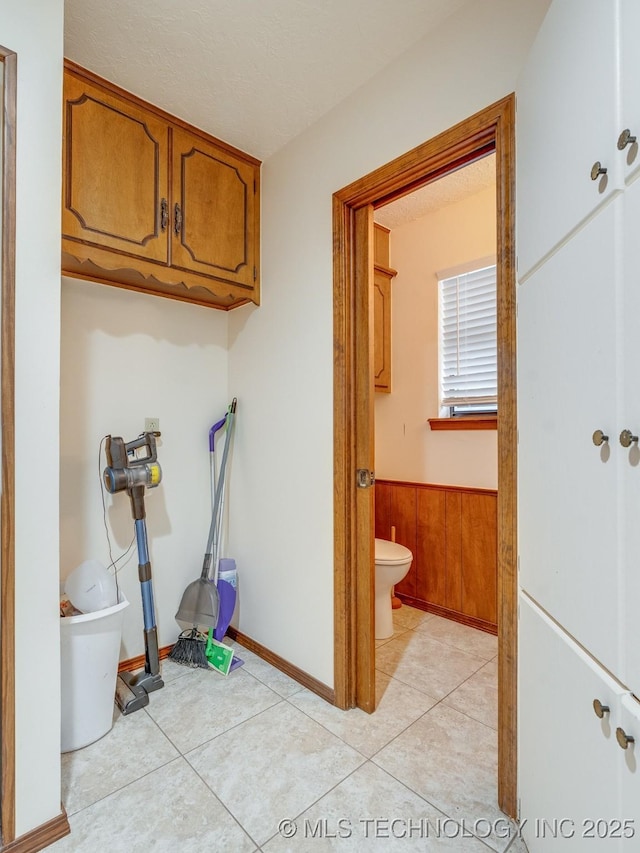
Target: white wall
x: 126, y: 356
x: 33, y: 28
x: 406, y: 448
x: 281, y: 358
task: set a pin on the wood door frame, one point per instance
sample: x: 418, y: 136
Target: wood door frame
x: 7, y: 415
x: 491, y: 129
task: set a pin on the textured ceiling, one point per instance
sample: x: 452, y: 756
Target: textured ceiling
x: 447, y: 190
x: 252, y: 72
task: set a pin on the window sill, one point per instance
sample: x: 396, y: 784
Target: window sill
x: 465, y: 422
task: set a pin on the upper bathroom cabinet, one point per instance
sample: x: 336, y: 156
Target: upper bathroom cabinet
x: 152, y: 204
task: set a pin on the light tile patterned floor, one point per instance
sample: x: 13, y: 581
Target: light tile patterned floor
x: 257, y: 762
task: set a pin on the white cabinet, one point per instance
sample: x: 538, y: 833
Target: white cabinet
x: 567, y: 119
x: 578, y: 372
x: 572, y: 764
x: 568, y: 495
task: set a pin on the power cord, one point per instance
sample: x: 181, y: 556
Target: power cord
x: 114, y: 562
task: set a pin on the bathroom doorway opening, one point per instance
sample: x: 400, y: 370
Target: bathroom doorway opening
x: 491, y: 130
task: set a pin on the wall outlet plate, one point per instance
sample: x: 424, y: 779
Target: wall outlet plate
x: 152, y: 424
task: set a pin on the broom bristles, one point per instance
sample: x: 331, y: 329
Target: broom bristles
x: 190, y: 649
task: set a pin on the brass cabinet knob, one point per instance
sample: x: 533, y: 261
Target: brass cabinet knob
x: 623, y: 738
x: 625, y: 139
x: 599, y: 438
x: 596, y: 170
x: 600, y: 709
x: 627, y: 438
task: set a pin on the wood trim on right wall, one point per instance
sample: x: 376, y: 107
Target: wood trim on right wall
x: 7, y: 416
x: 491, y: 129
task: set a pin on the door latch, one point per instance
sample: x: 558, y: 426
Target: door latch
x: 365, y: 478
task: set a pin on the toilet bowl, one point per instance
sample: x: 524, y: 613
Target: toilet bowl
x: 393, y: 561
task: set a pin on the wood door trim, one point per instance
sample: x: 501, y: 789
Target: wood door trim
x: 491, y: 129
x: 7, y: 506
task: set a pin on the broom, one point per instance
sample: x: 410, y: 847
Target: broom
x: 200, y: 603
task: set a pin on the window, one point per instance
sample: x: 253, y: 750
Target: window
x: 468, y: 340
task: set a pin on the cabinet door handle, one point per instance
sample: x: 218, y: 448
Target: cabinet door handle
x: 599, y: 438
x: 625, y: 139
x: 164, y: 214
x: 600, y: 709
x: 627, y: 438
x: 623, y: 738
x: 596, y: 170
x: 177, y: 222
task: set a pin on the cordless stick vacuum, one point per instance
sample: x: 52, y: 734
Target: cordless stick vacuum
x: 132, y: 467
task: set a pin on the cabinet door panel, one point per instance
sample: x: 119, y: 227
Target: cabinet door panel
x: 568, y: 488
x: 568, y: 757
x: 382, y: 331
x: 431, y: 567
x: 630, y: 81
x: 382, y: 499
x: 115, y: 173
x: 216, y: 194
x: 629, y: 460
x: 567, y: 119
x: 454, y: 550
x: 403, y: 517
x: 479, y: 557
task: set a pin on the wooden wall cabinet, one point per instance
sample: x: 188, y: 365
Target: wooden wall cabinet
x: 152, y: 204
x: 452, y: 534
x: 382, y: 278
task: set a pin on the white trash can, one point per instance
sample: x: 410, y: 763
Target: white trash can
x: 89, y: 655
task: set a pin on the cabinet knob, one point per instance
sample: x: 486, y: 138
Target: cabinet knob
x: 623, y: 738
x: 627, y: 438
x: 599, y: 438
x: 625, y: 139
x: 596, y: 170
x: 600, y: 709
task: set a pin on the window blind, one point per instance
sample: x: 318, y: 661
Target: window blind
x: 468, y: 338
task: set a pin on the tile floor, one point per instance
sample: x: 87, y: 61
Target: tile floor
x: 254, y: 761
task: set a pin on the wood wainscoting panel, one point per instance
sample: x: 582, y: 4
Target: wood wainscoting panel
x: 452, y: 534
x: 431, y: 546
x: 453, y: 567
x: 403, y: 517
x: 479, y: 556
x: 382, y: 498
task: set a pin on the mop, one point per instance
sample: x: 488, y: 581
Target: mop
x: 200, y: 605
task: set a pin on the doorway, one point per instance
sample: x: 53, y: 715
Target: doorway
x: 491, y: 130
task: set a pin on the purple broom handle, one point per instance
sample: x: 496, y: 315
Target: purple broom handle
x: 214, y: 429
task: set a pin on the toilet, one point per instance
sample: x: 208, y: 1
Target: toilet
x: 393, y: 561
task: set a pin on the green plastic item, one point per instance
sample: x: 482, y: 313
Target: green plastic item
x: 218, y: 655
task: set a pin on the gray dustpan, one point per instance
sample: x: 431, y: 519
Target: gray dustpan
x: 200, y: 604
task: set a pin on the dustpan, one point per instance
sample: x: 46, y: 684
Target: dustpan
x: 200, y: 604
